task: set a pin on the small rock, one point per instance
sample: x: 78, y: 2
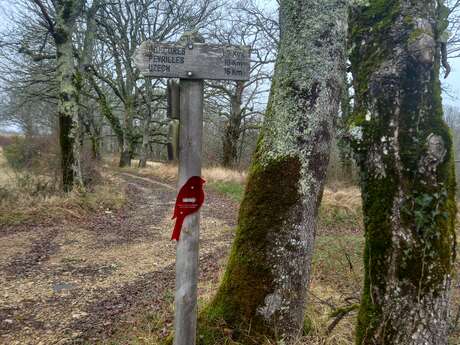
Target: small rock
x: 79, y: 315
x: 76, y: 334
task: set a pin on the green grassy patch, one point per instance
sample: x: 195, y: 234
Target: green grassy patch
x: 331, y: 216
x: 233, y: 190
x: 338, y: 262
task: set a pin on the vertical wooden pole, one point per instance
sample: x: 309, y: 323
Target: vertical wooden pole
x: 190, y: 147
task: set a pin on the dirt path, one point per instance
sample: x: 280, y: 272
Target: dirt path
x: 74, y: 283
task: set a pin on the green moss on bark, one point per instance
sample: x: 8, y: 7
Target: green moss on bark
x: 405, y: 153
x: 271, y: 192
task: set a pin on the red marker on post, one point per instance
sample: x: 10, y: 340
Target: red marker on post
x: 189, y: 200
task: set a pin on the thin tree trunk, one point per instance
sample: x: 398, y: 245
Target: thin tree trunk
x: 264, y: 289
x: 407, y: 172
x: 96, y: 144
x: 230, y: 144
x: 84, y: 70
x: 145, y: 144
x: 232, y: 131
x: 145, y: 149
x: 345, y: 150
x: 127, y: 147
x: 107, y: 112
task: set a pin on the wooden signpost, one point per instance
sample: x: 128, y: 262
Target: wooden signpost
x: 192, y: 61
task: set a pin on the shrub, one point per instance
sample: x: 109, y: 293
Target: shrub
x: 17, y: 154
x: 5, y: 140
x: 34, y: 185
x: 31, y: 155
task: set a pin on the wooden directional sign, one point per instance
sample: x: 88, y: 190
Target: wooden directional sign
x: 193, y: 61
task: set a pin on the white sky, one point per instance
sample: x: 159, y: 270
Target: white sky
x: 452, y: 84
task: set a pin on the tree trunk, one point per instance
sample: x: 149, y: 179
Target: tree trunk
x: 345, y: 151
x: 145, y: 144
x: 145, y: 149
x: 69, y: 129
x: 107, y: 112
x: 125, y: 156
x: 96, y: 144
x: 127, y: 147
x: 85, y: 70
x: 265, y: 285
x: 230, y: 143
x: 405, y: 154
x: 233, y: 128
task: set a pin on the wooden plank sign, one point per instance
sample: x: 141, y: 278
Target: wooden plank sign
x: 193, y: 61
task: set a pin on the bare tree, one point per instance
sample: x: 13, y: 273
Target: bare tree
x: 241, y: 104
x: 123, y: 26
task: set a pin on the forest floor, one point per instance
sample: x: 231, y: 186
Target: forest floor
x: 108, y: 277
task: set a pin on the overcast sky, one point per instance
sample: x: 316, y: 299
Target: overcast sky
x: 452, y: 84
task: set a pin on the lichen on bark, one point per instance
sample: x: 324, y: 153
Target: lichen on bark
x: 404, y: 150
x: 67, y: 12
x: 265, y: 285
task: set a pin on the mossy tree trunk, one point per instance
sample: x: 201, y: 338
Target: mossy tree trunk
x: 265, y: 285
x: 106, y: 110
x: 67, y: 13
x: 404, y: 150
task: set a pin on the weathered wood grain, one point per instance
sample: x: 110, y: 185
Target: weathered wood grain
x: 190, y: 148
x: 193, y: 61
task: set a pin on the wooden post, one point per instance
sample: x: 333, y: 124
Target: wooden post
x: 190, y: 147
x: 191, y: 60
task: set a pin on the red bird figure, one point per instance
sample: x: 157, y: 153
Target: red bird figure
x: 189, y: 201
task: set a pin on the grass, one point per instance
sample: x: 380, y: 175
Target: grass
x: 336, y: 274
x: 337, y: 269
x: 334, y: 288
x: 21, y: 207
x: 230, y: 183
x: 169, y: 172
x: 231, y: 189
x: 340, y: 208
x: 29, y: 198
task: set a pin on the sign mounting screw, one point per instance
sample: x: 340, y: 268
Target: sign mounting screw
x: 189, y: 74
x: 190, y: 46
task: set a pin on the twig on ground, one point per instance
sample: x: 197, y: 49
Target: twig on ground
x: 339, y: 314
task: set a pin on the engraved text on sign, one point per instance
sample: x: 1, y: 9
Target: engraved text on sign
x: 194, y: 61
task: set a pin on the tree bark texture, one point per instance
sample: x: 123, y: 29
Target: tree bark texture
x: 66, y: 15
x: 404, y: 150
x: 264, y: 289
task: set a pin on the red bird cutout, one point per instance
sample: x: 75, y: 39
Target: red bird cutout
x: 189, y: 201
